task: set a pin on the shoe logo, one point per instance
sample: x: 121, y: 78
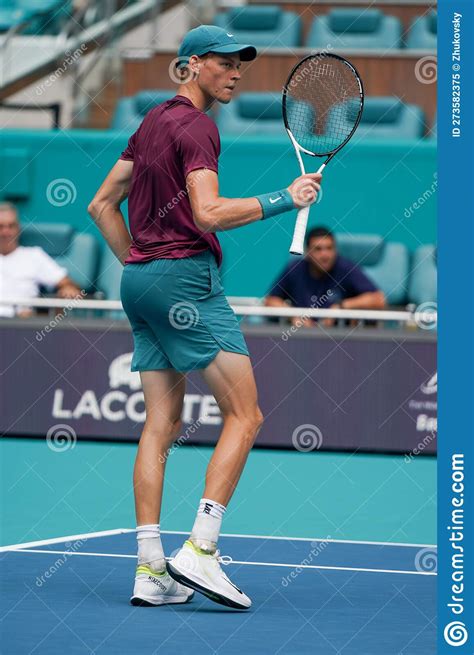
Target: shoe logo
x: 157, y: 582
x: 236, y: 588
x: 274, y: 200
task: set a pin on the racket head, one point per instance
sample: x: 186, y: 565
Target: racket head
x: 322, y: 103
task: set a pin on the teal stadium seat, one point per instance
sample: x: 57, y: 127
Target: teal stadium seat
x: 383, y: 118
x: 130, y: 111
x: 108, y: 280
x: 252, y: 114
x: 257, y: 113
x: 12, y: 15
x: 43, y: 16
x: 423, y: 278
x: 355, y: 27
x: 385, y: 262
x: 110, y: 274
x: 41, y: 6
x: 77, y: 252
x: 262, y: 25
x: 423, y: 32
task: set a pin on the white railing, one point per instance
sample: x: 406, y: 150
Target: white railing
x: 251, y: 308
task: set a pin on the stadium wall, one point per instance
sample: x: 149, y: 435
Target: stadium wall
x: 379, y: 187
x: 372, y: 390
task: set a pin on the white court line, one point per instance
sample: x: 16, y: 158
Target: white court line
x: 74, y: 537
x: 332, y: 541
x: 71, y: 552
x: 277, y: 564
x: 107, y: 533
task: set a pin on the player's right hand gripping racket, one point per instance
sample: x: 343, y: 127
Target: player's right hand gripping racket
x: 322, y: 105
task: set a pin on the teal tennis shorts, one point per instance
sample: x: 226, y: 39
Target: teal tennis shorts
x: 179, y: 314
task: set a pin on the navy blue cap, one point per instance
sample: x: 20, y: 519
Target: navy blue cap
x: 209, y: 38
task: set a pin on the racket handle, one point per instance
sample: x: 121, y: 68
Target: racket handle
x: 297, y: 245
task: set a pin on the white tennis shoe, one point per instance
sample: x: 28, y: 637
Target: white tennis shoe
x: 196, y: 568
x: 157, y: 588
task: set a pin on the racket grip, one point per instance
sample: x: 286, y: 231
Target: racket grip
x: 297, y: 245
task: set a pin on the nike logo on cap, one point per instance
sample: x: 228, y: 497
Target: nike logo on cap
x: 274, y: 200
x: 229, y: 34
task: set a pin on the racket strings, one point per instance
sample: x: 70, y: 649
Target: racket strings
x: 323, y: 102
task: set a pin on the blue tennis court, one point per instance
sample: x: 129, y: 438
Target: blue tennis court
x: 309, y: 596
x: 214, y: 117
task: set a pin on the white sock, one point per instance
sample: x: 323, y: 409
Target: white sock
x: 207, y: 525
x: 150, y: 549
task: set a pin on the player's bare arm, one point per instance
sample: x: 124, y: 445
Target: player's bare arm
x: 368, y: 300
x: 214, y: 213
x: 105, y: 208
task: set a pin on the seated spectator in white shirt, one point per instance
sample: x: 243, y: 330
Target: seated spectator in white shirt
x: 24, y: 270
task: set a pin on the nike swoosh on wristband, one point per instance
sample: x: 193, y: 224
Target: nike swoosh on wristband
x: 274, y: 200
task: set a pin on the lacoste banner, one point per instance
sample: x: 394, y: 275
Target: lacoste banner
x: 367, y: 392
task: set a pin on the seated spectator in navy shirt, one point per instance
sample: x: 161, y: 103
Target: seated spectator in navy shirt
x: 323, y: 279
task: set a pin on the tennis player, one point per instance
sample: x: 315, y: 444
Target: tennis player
x: 174, y: 299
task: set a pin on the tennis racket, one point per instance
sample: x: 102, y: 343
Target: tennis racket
x: 322, y: 105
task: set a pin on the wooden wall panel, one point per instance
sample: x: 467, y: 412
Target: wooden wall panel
x: 308, y: 10
x: 390, y: 75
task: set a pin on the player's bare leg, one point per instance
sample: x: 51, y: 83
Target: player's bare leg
x: 197, y: 564
x: 231, y: 380
x: 164, y: 394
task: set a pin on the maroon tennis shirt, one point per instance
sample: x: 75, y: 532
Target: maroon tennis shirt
x: 174, y: 139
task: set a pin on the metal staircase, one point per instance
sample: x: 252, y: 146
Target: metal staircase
x: 85, y: 47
